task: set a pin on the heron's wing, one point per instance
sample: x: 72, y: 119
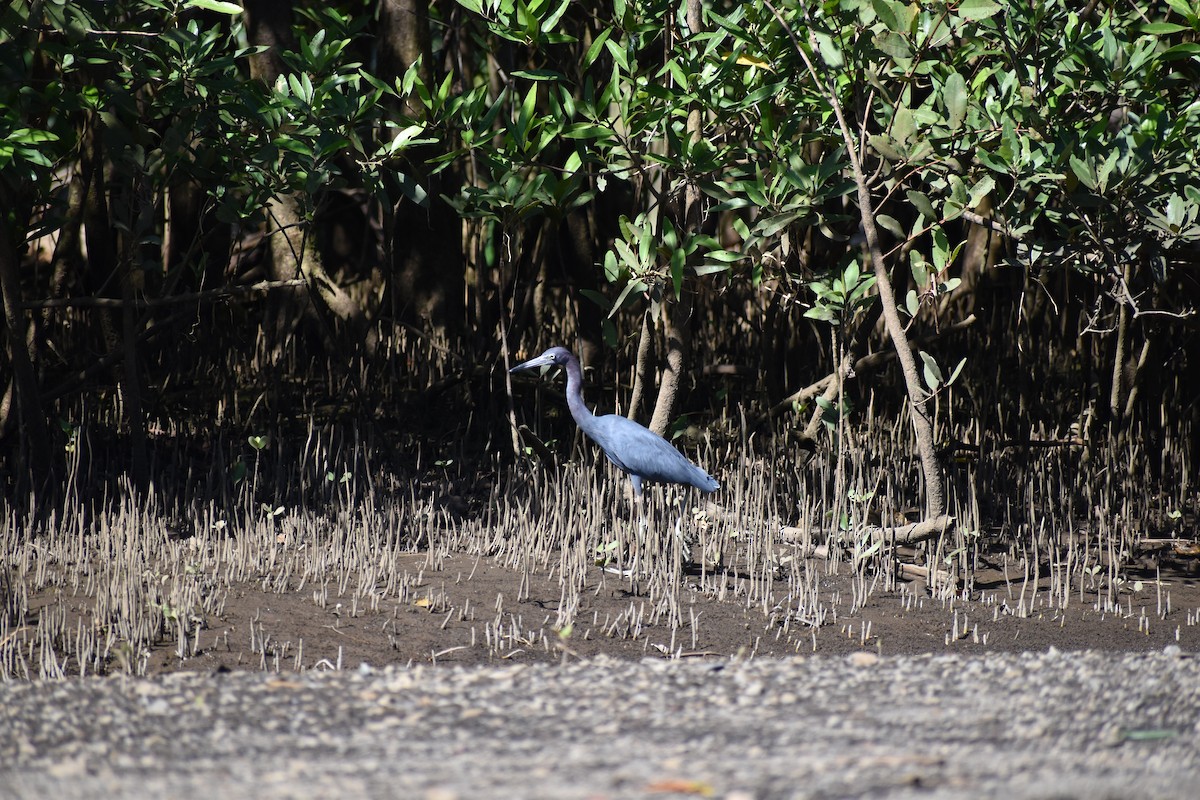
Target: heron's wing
x: 640, y: 451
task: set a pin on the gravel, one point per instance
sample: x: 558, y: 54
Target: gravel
x: 1049, y: 724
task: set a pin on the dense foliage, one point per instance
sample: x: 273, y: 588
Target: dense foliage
x: 190, y: 188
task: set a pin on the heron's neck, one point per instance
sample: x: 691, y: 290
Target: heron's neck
x: 583, y: 417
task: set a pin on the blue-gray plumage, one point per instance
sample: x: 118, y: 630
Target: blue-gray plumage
x: 637, y: 451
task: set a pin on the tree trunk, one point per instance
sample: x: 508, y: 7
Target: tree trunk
x: 678, y: 329
x: 935, y: 496
x: 269, y: 25
x: 935, y: 491
x: 33, y: 451
x: 293, y: 247
x: 426, y: 242
x: 1121, y: 378
x: 191, y: 232
x: 105, y: 262
x: 642, y: 367
x: 580, y: 261
x: 131, y: 382
x: 678, y: 317
x: 405, y: 39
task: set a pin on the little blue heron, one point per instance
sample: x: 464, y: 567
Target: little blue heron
x: 639, y: 452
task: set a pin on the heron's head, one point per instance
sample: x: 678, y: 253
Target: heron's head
x: 554, y: 357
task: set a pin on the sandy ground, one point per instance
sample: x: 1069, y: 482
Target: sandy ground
x: 465, y: 611
x: 1050, y: 724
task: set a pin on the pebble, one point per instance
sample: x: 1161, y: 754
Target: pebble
x: 1026, y: 725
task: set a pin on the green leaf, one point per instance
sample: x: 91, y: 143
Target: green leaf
x: 1084, y: 172
x: 412, y: 190
x: 437, y: 101
x: 646, y: 241
x: 958, y: 199
x: 612, y: 270
x: 850, y: 276
x: 600, y: 300
x: 921, y: 202
x: 941, y: 249
x: 585, y: 130
x: 919, y: 267
x: 903, y: 125
x: 1163, y: 28
x: 912, y: 303
x: 891, y: 225
x: 678, y: 260
x: 958, y: 369
x: 404, y: 138
x: 885, y: 146
x: 30, y: 136
x: 537, y: 74
x: 549, y: 23
x: 895, y: 15
x: 623, y: 250
x: 632, y: 286
x: 378, y: 84
x: 723, y: 256
x: 1106, y: 169
x: 1150, y: 734
x: 824, y: 314
x: 831, y: 54
x: 954, y: 95
x: 894, y: 44
x: 526, y: 115
x: 1175, y: 211
x: 932, y: 373
x: 978, y: 9
x: 860, y: 291
x: 981, y: 190
x: 214, y: 5
x: 594, y: 50
x: 620, y: 59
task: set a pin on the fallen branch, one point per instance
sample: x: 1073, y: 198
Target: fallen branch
x: 905, y: 535
x: 935, y: 578
x: 190, y: 297
x: 900, y: 535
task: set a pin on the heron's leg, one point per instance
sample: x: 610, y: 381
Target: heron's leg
x: 681, y: 553
x: 639, y: 530
x: 636, y: 482
x: 688, y: 539
x: 639, y: 500
x: 628, y: 550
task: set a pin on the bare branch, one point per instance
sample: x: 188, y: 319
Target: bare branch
x: 863, y: 364
x: 993, y: 224
x: 157, y: 302
x: 903, y: 535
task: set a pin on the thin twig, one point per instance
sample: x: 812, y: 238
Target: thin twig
x: 157, y: 302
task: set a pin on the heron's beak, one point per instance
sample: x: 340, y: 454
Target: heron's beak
x: 541, y: 361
